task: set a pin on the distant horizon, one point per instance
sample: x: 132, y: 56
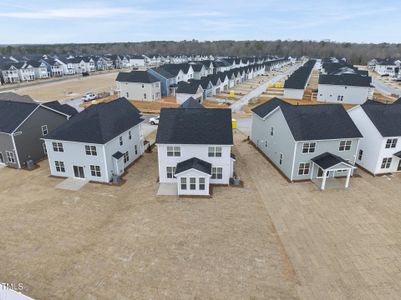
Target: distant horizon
x: 47, y: 22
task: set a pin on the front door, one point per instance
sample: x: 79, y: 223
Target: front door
x: 79, y: 172
x: 398, y: 169
x: 320, y: 173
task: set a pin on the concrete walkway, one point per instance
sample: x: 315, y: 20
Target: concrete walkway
x: 237, y: 106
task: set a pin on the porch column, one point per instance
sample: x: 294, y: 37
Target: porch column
x: 324, y: 180
x: 348, y: 177
x: 312, y: 170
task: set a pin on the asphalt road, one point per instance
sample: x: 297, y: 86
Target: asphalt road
x: 237, y: 106
x: 385, y: 89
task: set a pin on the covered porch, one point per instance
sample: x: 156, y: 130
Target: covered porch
x: 330, y: 171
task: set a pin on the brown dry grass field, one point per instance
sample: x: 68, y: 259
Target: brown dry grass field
x: 71, y: 88
x: 268, y: 240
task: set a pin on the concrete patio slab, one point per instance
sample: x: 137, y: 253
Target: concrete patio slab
x: 72, y: 184
x: 167, y: 189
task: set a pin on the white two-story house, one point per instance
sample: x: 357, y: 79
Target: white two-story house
x: 306, y: 142
x: 97, y: 144
x: 345, y: 88
x: 139, y: 85
x: 194, y: 149
x: 380, y: 148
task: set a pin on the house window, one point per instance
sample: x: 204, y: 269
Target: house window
x: 143, y: 86
x: 127, y: 95
x: 59, y: 166
x: 10, y: 157
x: 90, y: 150
x: 217, y: 173
x: 202, y: 183
x: 308, y: 147
x: 360, y: 154
x: 136, y: 149
x: 281, y: 158
x: 95, y: 171
x: 174, y: 151
x: 44, y: 148
x: 58, y: 147
x: 214, y: 151
x: 272, y: 131
x: 340, y: 98
x: 391, y: 143
x: 121, y: 141
x: 144, y: 96
x: 303, y: 168
x: 386, y: 163
x: 45, y: 131
x: 192, y: 183
x: 126, y: 157
x: 170, y: 172
x: 183, y: 183
x: 129, y: 135
x: 345, y: 145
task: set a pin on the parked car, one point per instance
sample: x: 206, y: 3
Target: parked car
x: 89, y: 97
x: 154, y: 120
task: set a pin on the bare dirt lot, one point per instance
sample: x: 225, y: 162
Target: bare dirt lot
x: 71, y: 88
x: 268, y: 240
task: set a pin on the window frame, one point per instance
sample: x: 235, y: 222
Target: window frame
x: 304, y: 169
x: 217, y: 172
x: 10, y: 156
x: 386, y: 162
x: 183, y: 183
x: 58, y: 147
x: 360, y: 154
x: 170, y: 172
x: 44, y: 129
x: 192, y: 183
x: 126, y: 157
x: 95, y: 171
x: 90, y: 150
x: 60, y: 167
x: 345, y: 145
x: 214, y: 151
x: 307, y: 147
x: 391, y: 143
x: 202, y: 183
x: 173, y: 151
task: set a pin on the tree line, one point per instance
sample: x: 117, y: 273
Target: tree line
x: 355, y: 53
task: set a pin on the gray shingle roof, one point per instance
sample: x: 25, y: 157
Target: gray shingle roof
x: 13, y: 113
x: 346, y: 80
x: 9, y: 96
x: 99, y: 123
x: 188, y: 87
x: 313, y: 122
x: 195, y: 126
x: 327, y: 160
x: 136, y: 76
x: 194, y: 163
x: 385, y: 117
x: 191, y: 103
x: 64, y: 108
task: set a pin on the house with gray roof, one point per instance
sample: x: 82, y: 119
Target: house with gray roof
x: 186, y: 90
x: 97, y: 144
x: 307, y: 142
x: 139, y: 85
x: 22, y: 125
x: 380, y: 148
x: 194, y: 148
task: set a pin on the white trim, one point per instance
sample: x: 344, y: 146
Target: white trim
x: 16, y: 151
x: 183, y: 172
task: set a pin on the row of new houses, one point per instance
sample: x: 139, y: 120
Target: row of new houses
x: 198, y: 79
x: 386, y: 67
x: 305, y: 142
x: 14, y: 70
x: 339, y: 82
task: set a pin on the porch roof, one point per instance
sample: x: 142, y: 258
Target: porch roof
x: 328, y: 160
x: 194, y: 163
x: 118, y: 155
x: 398, y: 154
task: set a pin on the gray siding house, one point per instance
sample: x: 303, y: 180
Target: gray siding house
x: 306, y: 142
x: 22, y: 125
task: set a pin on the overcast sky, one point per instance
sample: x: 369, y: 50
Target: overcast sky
x: 49, y: 21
